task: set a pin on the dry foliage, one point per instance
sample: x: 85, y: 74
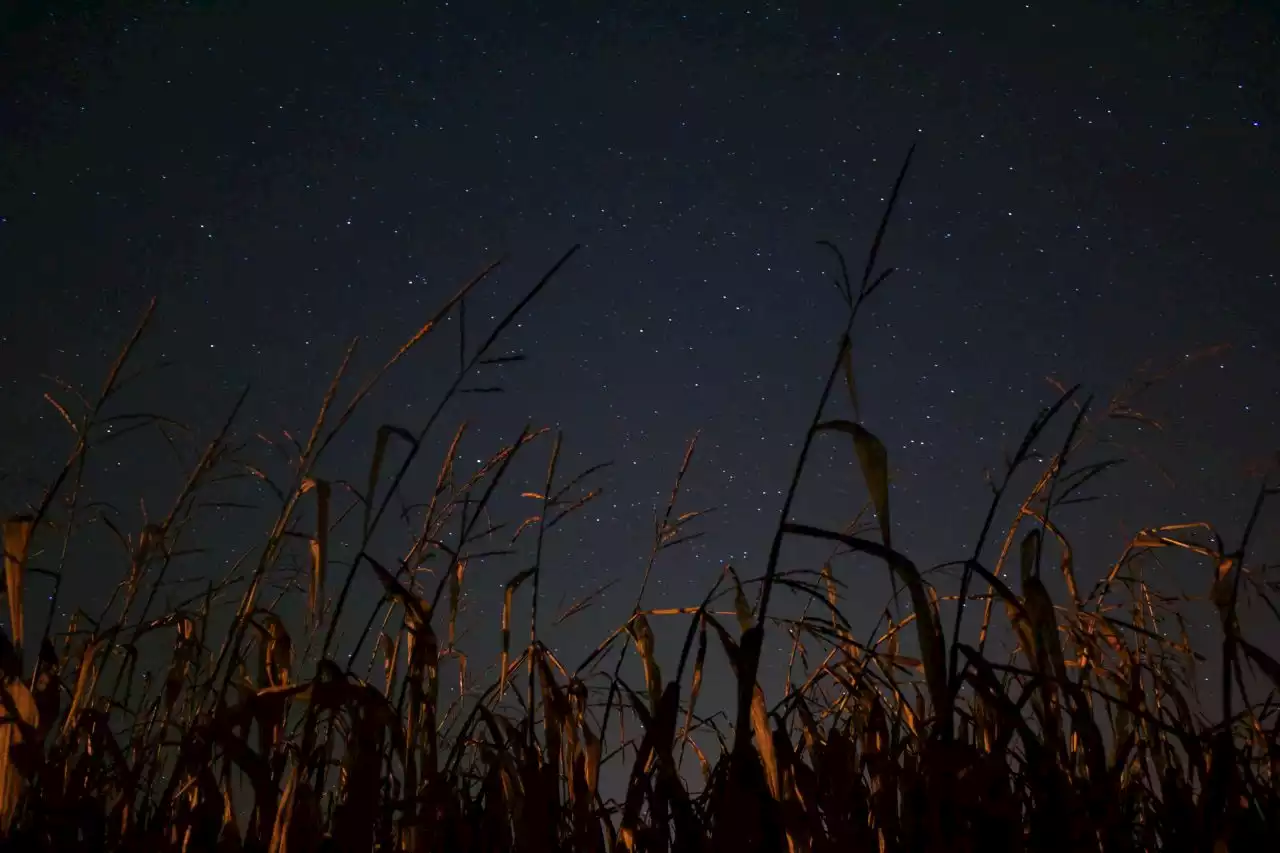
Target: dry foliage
x: 1040, y: 725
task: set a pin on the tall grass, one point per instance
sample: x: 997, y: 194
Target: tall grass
x: 986, y: 718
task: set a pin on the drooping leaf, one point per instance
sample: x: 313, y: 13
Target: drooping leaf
x: 1030, y: 553
x: 455, y: 594
x: 1264, y: 661
x: 375, y: 466
x: 17, y: 539
x: 764, y: 741
x: 642, y: 634
x: 319, y: 550
x: 508, y: 593
x: 19, y: 727
x: 874, y: 461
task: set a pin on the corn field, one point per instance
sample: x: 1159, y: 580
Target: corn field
x: 986, y: 717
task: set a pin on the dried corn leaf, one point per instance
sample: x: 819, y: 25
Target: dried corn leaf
x: 642, y: 634
x: 17, y: 539
x: 874, y: 461
x: 18, y: 728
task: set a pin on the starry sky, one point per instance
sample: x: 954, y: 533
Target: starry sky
x: 1094, y: 193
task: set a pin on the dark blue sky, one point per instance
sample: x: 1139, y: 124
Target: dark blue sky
x: 1095, y: 188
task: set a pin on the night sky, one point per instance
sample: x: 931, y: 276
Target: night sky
x: 1095, y: 189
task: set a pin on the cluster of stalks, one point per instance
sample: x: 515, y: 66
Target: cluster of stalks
x: 988, y: 718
